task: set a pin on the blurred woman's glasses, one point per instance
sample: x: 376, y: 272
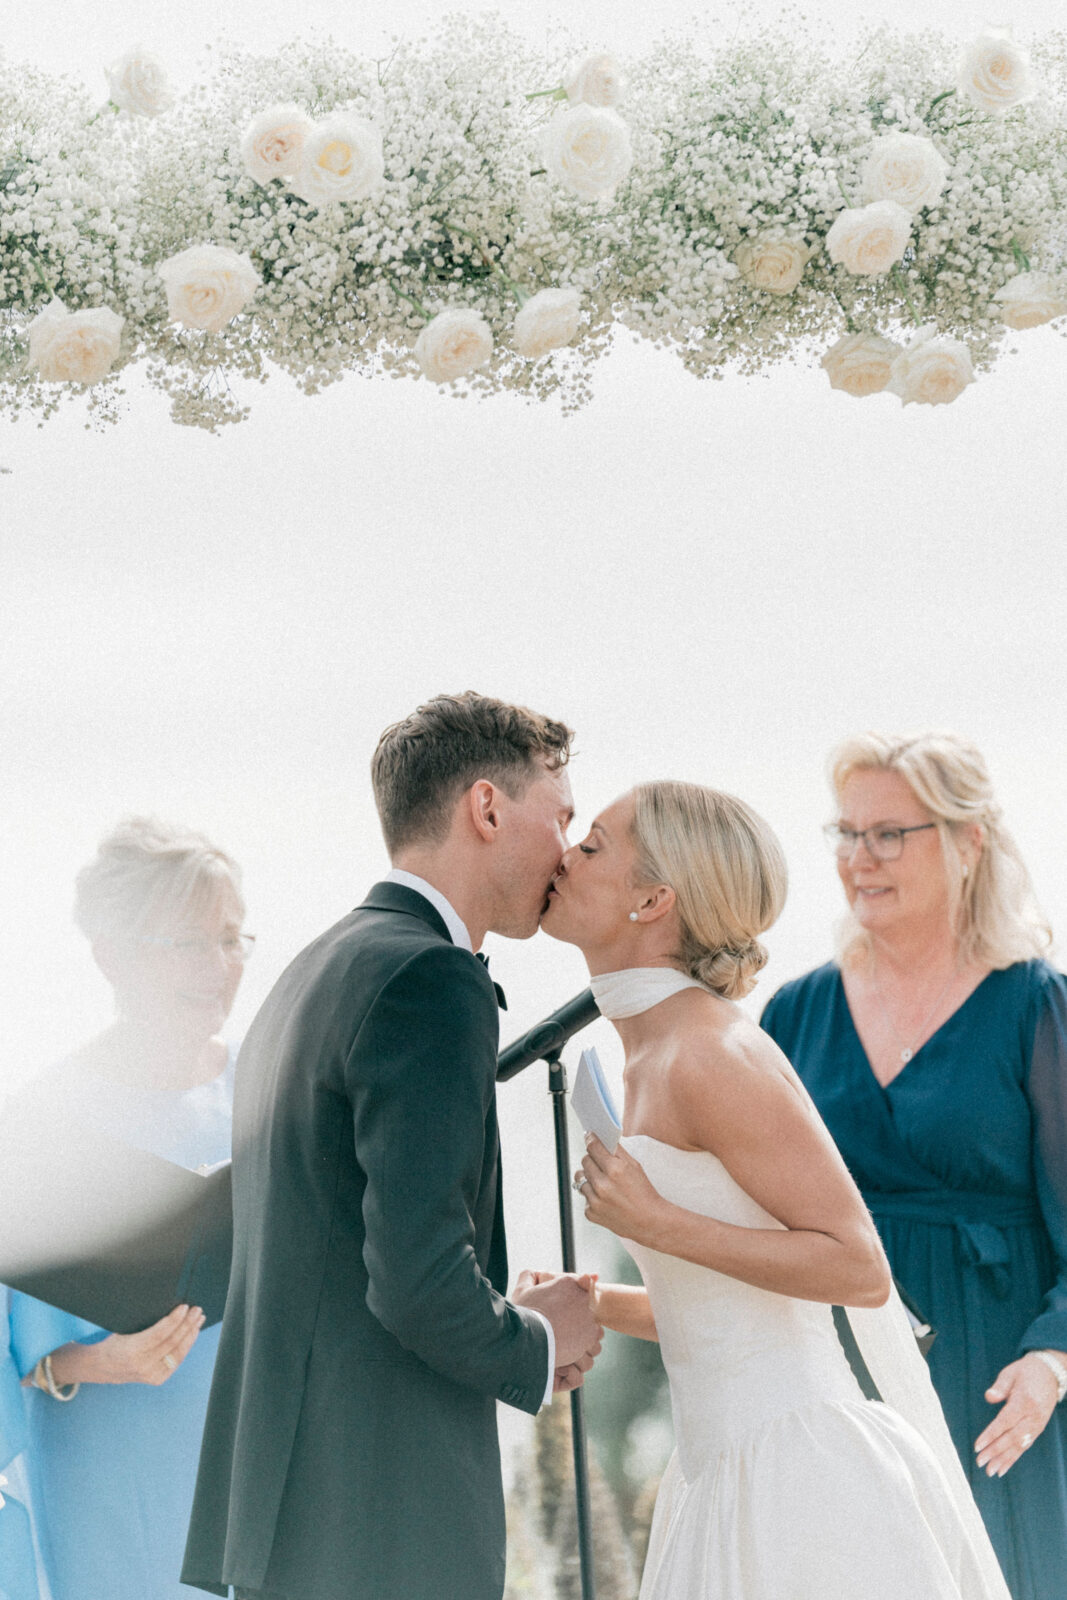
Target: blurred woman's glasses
x: 882, y: 844
x: 235, y: 947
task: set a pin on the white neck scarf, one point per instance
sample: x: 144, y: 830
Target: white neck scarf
x: 636, y: 989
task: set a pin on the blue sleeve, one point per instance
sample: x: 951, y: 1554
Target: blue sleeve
x: 37, y: 1329
x: 18, y: 1566
x: 1047, y: 1086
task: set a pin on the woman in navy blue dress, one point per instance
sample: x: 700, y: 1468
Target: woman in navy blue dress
x: 935, y: 1048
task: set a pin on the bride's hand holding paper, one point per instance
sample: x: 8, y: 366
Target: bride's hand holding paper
x: 617, y: 1194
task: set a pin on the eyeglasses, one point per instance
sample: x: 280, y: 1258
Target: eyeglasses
x: 882, y: 844
x: 235, y: 947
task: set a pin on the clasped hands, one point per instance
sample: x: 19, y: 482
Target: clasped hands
x: 566, y: 1299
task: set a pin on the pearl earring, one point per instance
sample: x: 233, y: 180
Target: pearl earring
x: 633, y: 916
x: 966, y: 869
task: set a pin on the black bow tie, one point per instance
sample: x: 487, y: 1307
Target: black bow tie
x: 500, y: 997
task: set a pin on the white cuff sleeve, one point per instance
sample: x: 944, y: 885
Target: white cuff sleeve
x: 551, y: 1353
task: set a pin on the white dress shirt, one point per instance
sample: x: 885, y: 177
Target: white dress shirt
x: 460, y: 936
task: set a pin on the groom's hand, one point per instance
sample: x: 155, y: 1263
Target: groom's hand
x: 565, y: 1301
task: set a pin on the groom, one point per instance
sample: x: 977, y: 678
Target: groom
x: 350, y: 1450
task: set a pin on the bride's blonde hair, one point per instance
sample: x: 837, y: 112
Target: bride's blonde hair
x: 727, y: 871
x: 994, y: 912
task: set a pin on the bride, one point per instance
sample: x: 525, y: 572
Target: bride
x: 786, y: 1483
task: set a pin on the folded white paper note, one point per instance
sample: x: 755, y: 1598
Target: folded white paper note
x: 592, y: 1103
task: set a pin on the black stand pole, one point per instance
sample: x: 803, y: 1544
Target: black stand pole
x: 545, y: 1043
x: 557, y: 1088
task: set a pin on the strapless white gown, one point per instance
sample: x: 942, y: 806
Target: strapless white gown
x: 786, y: 1484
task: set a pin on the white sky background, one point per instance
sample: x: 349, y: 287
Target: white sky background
x: 708, y: 580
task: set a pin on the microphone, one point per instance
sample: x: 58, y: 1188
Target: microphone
x: 547, y: 1037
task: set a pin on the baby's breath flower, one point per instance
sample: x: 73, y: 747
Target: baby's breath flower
x: 708, y: 221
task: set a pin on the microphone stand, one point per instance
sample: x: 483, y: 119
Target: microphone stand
x: 545, y: 1042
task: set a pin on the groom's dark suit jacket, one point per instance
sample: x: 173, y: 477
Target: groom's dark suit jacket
x: 350, y: 1450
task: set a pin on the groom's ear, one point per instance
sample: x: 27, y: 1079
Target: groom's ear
x: 483, y: 803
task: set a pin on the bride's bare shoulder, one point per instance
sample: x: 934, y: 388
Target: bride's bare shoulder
x: 721, y: 1047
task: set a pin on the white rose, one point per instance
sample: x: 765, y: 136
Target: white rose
x: 548, y: 320
x: 453, y: 345
x: 343, y: 160
x: 906, y: 168
x: 208, y: 285
x: 859, y: 363
x: 1031, y: 298
x: 772, y: 262
x: 587, y: 149
x: 74, y: 346
x: 137, y: 82
x: 994, y: 72
x: 272, y: 145
x: 932, y: 369
x: 870, y: 239
x: 596, y: 81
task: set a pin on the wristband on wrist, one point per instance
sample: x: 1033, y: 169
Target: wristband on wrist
x: 1057, y: 1368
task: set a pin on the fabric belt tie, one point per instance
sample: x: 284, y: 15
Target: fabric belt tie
x: 977, y: 1218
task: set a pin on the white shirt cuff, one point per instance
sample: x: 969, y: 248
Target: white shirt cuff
x: 547, y: 1401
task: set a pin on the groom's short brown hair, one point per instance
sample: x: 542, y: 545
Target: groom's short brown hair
x: 424, y: 763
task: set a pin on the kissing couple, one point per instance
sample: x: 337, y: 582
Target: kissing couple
x: 350, y: 1450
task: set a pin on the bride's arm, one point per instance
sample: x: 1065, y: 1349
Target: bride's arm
x: 625, y: 1309
x: 737, y: 1098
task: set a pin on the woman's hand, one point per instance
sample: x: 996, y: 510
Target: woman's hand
x: 1028, y: 1390
x: 617, y: 1194
x: 151, y: 1357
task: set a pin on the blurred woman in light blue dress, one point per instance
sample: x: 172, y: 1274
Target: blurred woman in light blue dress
x: 111, y: 1431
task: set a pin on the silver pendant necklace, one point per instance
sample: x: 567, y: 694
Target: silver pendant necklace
x: 908, y: 1050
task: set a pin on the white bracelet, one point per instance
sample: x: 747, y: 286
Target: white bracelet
x: 1057, y: 1368
x: 57, y: 1392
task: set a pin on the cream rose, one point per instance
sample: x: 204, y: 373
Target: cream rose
x: 931, y: 369
x: 272, y: 145
x: 994, y: 72
x: 342, y: 161
x: 208, y: 285
x: 859, y: 363
x: 587, y: 149
x: 868, y: 240
x: 74, y: 346
x: 137, y: 82
x: 548, y: 320
x: 453, y: 345
x: 596, y: 81
x: 1031, y: 298
x: 772, y: 262
x: 905, y: 168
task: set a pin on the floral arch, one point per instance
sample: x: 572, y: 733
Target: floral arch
x: 482, y: 216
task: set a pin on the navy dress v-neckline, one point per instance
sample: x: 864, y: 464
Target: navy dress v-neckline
x: 962, y: 1159
x: 917, y: 1052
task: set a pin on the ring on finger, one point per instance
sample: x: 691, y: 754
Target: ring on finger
x: 1028, y: 1440
x: 580, y: 1182
x: 169, y: 1361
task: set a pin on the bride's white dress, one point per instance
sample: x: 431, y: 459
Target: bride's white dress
x: 786, y: 1484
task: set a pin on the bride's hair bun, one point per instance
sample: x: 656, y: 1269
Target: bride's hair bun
x: 727, y: 871
x: 731, y: 973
